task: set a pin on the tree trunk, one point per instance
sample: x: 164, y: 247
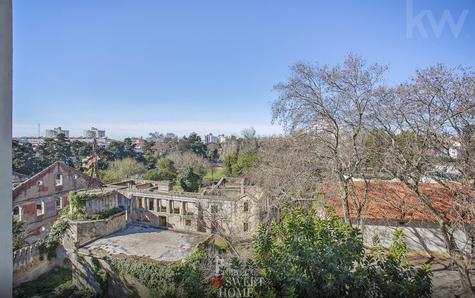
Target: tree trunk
x: 456, y: 255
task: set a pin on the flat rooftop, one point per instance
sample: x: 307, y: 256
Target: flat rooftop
x: 154, y: 243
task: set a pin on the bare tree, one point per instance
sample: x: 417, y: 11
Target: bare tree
x: 288, y: 170
x: 420, y: 125
x: 332, y: 105
x: 189, y: 159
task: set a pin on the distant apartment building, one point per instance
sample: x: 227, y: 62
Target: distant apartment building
x: 94, y: 133
x: 52, y: 133
x: 211, y: 139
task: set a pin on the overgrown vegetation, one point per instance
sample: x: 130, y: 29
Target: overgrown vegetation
x: 189, y: 180
x: 165, y: 170
x: 238, y: 164
x: 18, y: 231
x: 77, y: 206
x: 122, y: 169
x: 176, y: 280
x: 301, y: 256
x: 55, y: 235
x: 55, y: 284
x: 103, y: 214
x: 305, y: 256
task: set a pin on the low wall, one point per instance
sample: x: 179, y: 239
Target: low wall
x: 424, y: 239
x: 29, y: 263
x: 83, y: 232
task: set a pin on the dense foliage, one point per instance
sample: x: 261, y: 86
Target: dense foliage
x: 189, y: 180
x: 238, y: 164
x: 25, y: 160
x: 122, y: 169
x: 178, y: 280
x: 165, y: 170
x: 305, y: 256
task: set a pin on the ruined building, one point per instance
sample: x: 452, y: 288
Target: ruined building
x: 37, y: 200
x: 229, y: 208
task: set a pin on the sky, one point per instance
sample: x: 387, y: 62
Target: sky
x: 134, y: 67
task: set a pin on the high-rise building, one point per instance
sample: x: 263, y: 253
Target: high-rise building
x: 94, y: 133
x: 53, y: 133
x: 211, y: 139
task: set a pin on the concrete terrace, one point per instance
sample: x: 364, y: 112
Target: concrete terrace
x: 143, y: 241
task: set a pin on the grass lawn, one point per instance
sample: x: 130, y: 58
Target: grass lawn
x: 214, y: 174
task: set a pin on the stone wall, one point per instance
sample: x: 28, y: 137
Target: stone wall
x: 100, y: 203
x: 29, y: 263
x: 83, y: 232
x: 238, y: 217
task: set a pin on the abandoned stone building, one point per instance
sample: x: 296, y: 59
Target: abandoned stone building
x: 37, y: 200
x: 229, y: 208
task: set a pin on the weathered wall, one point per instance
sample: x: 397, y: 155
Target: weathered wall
x: 43, y: 190
x: 421, y: 238
x: 188, y: 213
x: 29, y: 263
x: 102, y: 203
x: 83, y: 232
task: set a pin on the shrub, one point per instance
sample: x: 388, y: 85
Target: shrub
x: 305, y: 256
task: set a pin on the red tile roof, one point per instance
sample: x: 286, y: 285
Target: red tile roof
x: 395, y: 201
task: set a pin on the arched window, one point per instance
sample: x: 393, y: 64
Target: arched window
x: 246, y: 206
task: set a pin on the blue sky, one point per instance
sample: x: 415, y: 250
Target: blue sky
x: 132, y: 67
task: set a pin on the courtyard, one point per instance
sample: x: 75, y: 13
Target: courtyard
x: 143, y: 241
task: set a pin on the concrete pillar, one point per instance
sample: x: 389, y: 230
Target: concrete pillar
x: 6, y: 265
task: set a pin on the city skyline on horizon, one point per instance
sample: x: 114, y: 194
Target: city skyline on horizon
x: 77, y: 131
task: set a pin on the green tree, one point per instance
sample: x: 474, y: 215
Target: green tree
x: 238, y: 164
x: 115, y: 150
x: 189, y: 180
x: 24, y: 159
x: 149, y: 157
x: 122, y: 169
x: 165, y: 170
x: 62, y: 150
x: 192, y: 143
x: 305, y: 256
x: 129, y: 150
x: 80, y: 150
x: 52, y: 150
x: 229, y: 162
